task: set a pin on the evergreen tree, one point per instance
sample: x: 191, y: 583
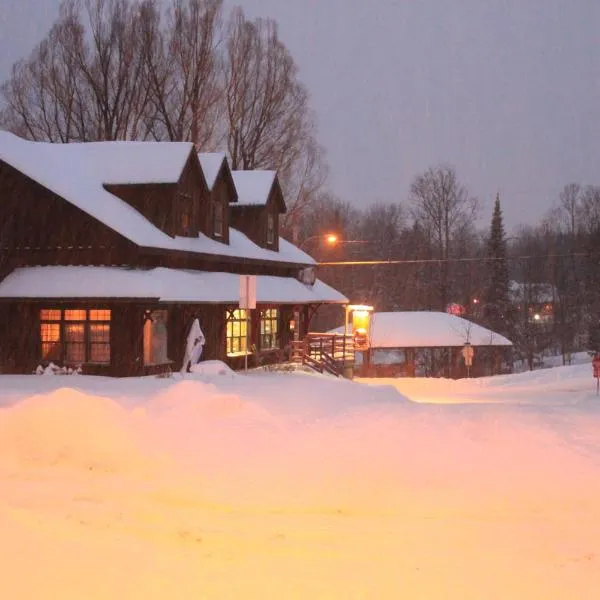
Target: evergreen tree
x: 496, y: 299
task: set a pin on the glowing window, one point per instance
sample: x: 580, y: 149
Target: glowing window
x: 50, y: 338
x: 269, y: 329
x: 156, y: 338
x: 75, y: 336
x: 237, y: 331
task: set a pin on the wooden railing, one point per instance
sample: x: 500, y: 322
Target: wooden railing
x: 325, y: 352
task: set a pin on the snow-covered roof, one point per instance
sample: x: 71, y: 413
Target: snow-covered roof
x: 164, y: 285
x: 426, y: 329
x: 253, y: 187
x: 78, y: 172
x: 211, y: 163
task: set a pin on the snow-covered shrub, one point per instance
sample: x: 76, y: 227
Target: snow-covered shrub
x: 52, y: 369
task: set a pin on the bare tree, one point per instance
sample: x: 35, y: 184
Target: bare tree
x: 443, y: 207
x: 182, y: 65
x: 570, y: 201
x: 303, y: 184
x: 267, y: 107
x: 44, y: 97
x: 111, y: 64
x: 84, y: 81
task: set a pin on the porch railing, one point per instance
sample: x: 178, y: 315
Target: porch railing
x: 325, y: 352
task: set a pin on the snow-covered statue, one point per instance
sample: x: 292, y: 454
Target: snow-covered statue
x: 193, y: 347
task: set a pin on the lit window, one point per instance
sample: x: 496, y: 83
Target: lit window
x: 156, y: 338
x: 218, y: 217
x: 71, y: 337
x: 75, y: 315
x: 50, y: 314
x: 237, y: 332
x: 100, y: 343
x: 270, y: 229
x: 100, y: 315
x: 74, y: 344
x: 50, y: 338
x: 269, y: 329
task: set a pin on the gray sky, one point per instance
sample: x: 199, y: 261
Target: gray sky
x: 507, y: 91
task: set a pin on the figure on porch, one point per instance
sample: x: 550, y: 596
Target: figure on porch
x: 194, y: 346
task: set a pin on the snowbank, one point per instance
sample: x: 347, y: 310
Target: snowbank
x: 298, y: 486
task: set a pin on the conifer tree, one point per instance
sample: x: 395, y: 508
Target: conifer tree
x: 497, y: 301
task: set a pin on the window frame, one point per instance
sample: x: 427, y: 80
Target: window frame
x: 270, y: 340
x: 147, y: 343
x: 270, y: 228
x: 59, y: 318
x: 218, y: 219
x: 242, y: 318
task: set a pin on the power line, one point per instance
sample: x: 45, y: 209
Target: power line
x: 350, y: 263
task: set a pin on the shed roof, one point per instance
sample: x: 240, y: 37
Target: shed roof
x: 426, y: 329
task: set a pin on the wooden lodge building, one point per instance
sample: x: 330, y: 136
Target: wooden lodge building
x: 110, y: 250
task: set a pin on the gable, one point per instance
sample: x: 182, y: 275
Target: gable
x: 69, y: 176
x: 34, y: 220
x: 259, y: 188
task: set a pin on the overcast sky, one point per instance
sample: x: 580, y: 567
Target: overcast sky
x: 507, y: 91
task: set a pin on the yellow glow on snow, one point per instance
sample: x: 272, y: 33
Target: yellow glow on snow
x: 298, y: 487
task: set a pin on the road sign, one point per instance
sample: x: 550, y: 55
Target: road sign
x: 248, y: 292
x: 468, y: 354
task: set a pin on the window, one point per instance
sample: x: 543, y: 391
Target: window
x: 269, y: 329
x: 237, y: 332
x: 155, y: 337
x: 74, y: 346
x: 218, y: 218
x: 75, y: 336
x: 100, y: 343
x: 270, y: 229
x: 185, y: 222
x: 185, y: 208
x: 50, y: 338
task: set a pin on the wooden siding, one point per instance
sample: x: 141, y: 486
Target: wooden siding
x: 19, y: 332
x: 220, y: 196
x: 38, y: 227
x: 157, y: 202
x: 252, y: 222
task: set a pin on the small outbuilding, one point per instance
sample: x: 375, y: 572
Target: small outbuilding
x: 431, y: 344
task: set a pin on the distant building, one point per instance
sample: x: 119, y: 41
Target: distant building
x: 536, y: 301
x: 430, y: 344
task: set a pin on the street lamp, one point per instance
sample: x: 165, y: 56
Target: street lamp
x: 330, y: 239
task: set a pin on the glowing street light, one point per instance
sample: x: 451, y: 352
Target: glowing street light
x: 331, y: 239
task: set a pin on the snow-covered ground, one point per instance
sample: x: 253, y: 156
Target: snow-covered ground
x: 279, y: 485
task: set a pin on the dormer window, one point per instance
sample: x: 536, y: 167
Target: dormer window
x: 218, y: 219
x: 185, y: 222
x: 270, y: 229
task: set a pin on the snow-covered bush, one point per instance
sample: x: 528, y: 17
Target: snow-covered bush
x: 52, y: 369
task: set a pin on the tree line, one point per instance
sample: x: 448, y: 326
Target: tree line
x: 180, y: 70
x: 539, y: 287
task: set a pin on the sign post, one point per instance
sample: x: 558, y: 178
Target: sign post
x: 468, y: 354
x: 596, y: 369
x: 247, y: 303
